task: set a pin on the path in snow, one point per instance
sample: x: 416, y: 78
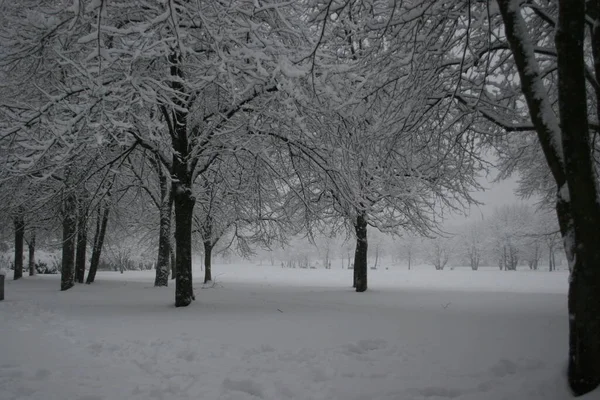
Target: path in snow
x: 252, y: 337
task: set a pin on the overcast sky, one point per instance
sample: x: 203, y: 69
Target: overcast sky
x: 494, y: 195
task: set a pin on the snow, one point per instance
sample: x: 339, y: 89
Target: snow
x: 262, y: 332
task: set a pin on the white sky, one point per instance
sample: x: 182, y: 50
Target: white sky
x: 495, y: 194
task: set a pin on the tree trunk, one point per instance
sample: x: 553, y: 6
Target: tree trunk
x: 208, y: 247
x: 184, y: 211
x: 19, y: 222
x: 98, y: 243
x: 173, y: 263
x: 182, y: 186
x: 568, y: 156
x: 584, y: 288
x: 81, y: 243
x: 31, y: 247
x: 376, y: 256
x: 68, y: 242
x: 163, y: 264
x: 360, y: 255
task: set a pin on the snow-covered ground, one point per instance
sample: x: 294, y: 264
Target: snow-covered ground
x: 264, y: 332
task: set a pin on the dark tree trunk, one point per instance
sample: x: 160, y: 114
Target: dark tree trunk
x: 68, y: 242
x: 577, y: 205
x: 584, y: 288
x: 81, y: 243
x: 101, y: 224
x: 208, y: 247
x: 19, y: 222
x: 184, y: 211
x: 183, y: 199
x: 163, y: 264
x: 31, y: 247
x: 360, y: 255
x: 173, y: 259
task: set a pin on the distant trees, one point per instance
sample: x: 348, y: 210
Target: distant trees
x: 471, y: 243
x: 439, y: 251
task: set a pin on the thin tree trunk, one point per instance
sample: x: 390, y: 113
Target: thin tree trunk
x: 208, y: 247
x: 360, y: 255
x: 19, y: 223
x: 68, y: 242
x: 98, y: 243
x: 354, y: 271
x: 81, y: 243
x: 163, y: 264
x: 173, y: 260
x: 31, y: 247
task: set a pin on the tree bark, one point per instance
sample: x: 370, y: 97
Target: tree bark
x: 208, y: 247
x: 19, y: 223
x: 183, y: 200
x: 173, y: 259
x: 31, y: 248
x: 163, y: 264
x: 81, y: 243
x: 584, y: 288
x: 68, y: 242
x: 101, y: 224
x: 360, y: 255
x: 184, y: 211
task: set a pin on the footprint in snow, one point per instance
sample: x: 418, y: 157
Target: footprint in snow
x: 434, y: 391
x: 41, y: 374
x: 187, y: 355
x: 504, y: 368
x: 364, y: 346
x: 245, y: 386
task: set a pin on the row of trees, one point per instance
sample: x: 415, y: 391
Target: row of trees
x: 513, y: 235
x: 289, y: 116
x: 239, y: 133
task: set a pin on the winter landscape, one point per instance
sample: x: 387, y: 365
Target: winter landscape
x: 306, y: 199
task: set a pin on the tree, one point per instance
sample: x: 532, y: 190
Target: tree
x: 408, y: 249
x: 510, y: 231
x: 148, y: 170
x: 69, y: 224
x: 81, y: 242
x: 166, y: 84
x: 471, y: 243
x: 31, y: 248
x: 405, y: 155
x: 100, y: 233
x: 565, y: 140
x: 439, y: 252
x: 19, y: 223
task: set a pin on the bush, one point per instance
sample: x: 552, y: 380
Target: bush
x: 43, y: 268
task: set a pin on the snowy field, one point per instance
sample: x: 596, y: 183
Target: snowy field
x: 264, y: 332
